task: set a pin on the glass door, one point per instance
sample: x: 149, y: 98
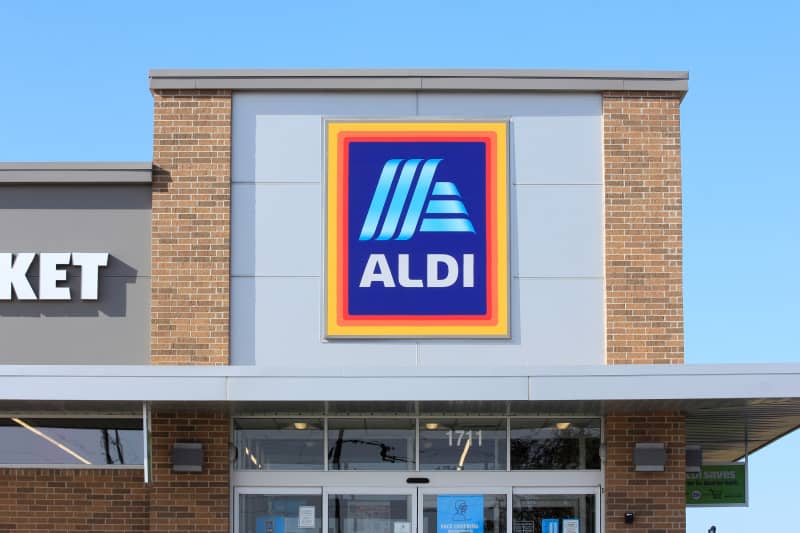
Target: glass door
x: 559, y: 511
x: 475, y: 509
x: 461, y: 510
x: 283, y: 510
x: 371, y: 510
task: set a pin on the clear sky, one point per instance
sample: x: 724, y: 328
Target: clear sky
x: 74, y: 87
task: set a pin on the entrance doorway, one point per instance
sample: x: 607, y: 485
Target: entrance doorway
x: 416, y: 509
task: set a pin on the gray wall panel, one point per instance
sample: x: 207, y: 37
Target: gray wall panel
x: 287, y: 332
x: 563, y: 150
x: 556, y: 231
x: 288, y: 148
x: 288, y: 241
x: 554, y: 322
x: 79, y: 218
x: 555, y: 218
x: 248, y: 106
x: 482, y: 105
x: 115, y: 329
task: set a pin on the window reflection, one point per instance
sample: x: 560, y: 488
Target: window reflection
x: 71, y: 441
x: 279, y: 444
x: 556, y: 444
x: 462, y: 444
x: 371, y: 444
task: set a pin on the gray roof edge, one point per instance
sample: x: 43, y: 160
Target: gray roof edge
x: 745, y: 370
x: 461, y: 79
x: 53, y: 172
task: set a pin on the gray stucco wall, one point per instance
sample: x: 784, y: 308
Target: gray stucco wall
x: 111, y: 218
x: 556, y: 220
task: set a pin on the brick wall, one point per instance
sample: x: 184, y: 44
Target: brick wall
x: 187, y: 501
x: 45, y: 500
x: 191, y: 227
x: 657, y: 499
x: 117, y: 500
x: 644, y: 295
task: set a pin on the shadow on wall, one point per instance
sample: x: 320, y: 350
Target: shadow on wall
x: 112, y: 294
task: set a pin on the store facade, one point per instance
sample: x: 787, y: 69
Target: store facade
x: 366, y: 301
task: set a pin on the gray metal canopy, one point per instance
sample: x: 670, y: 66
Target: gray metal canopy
x: 730, y: 409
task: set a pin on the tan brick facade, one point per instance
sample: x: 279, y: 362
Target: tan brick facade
x: 191, y: 227
x: 644, y: 250
x: 657, y: 499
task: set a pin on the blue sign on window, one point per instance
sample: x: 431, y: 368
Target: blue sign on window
x: 550, y: 525
x: 270, y: 524
x: 459, y: 514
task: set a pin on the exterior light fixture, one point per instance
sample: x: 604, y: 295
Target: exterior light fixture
x: 649, y: 456
x: 694, y: 458
x: 562, y: 426
x: 300, y: 425
x: 187, y: 457
x: 431, y: 426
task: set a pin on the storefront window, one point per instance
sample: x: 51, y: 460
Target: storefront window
x: 462, y: 444
x: 71, y: 441
x: 371, y: 444
x: 555, y: 444
x: 279, y: 444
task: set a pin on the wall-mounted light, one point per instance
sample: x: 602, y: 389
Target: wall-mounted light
x: 431, y: 426
x: 187, y: 457
x: 694, y: 458
x: 300, y: 425
x: 650, y: 456
x: 563, y: 426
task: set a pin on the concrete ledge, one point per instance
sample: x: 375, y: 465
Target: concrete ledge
x: 79, y: 172
x: 419, y: 80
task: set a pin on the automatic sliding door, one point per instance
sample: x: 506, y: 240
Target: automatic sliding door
x: 371, y: 511
x: 553, y: 513
x: 285, y: 511
x: 463, y: 511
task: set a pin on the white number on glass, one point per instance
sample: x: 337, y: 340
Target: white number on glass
x: 461, y: 435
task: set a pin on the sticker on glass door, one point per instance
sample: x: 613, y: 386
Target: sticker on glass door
x: 459, y: 513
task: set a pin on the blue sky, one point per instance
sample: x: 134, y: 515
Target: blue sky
x: 75, y: 88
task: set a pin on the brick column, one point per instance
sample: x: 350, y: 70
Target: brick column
x: 191, y: 227
x: 644, y: 247
x: 188, y: 501
x: 644, y: 299
x: 657, y: 499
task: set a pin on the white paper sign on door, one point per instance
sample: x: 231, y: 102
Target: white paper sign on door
x: 571, y: 525
x: 305, y: 517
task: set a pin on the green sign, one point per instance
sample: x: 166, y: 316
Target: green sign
x: 717, y: 485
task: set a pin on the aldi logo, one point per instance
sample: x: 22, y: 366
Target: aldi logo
x: 417, y: 229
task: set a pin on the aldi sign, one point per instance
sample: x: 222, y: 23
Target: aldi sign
x: 417, y: 229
